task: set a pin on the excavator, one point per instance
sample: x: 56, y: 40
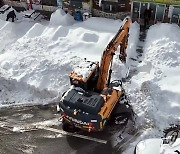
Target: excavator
x: 92, y: 100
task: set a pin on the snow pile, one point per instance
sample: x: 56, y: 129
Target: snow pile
x: 59, y: 17
x: 159, y: 75
x: 13, y: 92
x: 40, y: 58
x: 101, y: 24
x: 36, y: 60
x: 163, y: 52
x: 155, y: 90
x: 10, y: 32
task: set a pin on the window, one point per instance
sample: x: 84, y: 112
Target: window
x: 109, y: 8
x: 49, y: 2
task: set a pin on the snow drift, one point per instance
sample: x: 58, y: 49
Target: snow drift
x: 41, y: 57
x: 155, y: 90
x: 59, y: 17
x: 36, y: 60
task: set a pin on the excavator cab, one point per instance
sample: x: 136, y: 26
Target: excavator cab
x: 81, y: 104
x: 85, y: 76
x: 92, y: 99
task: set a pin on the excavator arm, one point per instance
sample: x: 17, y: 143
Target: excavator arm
x: 121, y: 39
x: 91, y: 101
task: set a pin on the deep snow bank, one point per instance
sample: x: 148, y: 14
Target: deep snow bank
x: 155, y: 90
x: 164, y: 51
x: 159, y: 74
x: 59, y: 17
x: 41, y: 57
x: 101, y: 24
x: 10, y: 32
x: 13, y: 92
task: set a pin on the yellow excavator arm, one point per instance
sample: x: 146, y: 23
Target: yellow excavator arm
x: 121, y: 39
x: 92, y: 100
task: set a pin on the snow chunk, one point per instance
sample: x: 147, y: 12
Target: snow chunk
x: 59, y: 17
x: 162, y: 50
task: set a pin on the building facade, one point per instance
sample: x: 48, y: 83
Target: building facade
x: 45, y: 5
x: 111, y: 8
x: 101, y: 8
x: 73, y: 6
x: 167, y: 11
x: 160, y: 12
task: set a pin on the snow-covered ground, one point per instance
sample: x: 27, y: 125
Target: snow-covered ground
x: 36, y: 59
x: 39, y: 57
x: 155, y: 90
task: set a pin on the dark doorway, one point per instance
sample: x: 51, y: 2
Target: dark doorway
x: 135, y: 11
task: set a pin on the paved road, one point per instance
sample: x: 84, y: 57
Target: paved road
x: 43, y: 141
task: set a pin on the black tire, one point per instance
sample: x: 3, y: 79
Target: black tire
x: 171, y: 130
x: 69, y: 127
x: 172, y: 133
x: 123, y: 108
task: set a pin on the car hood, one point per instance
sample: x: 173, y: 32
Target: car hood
x: 156, y: 146
x: 149, y: 146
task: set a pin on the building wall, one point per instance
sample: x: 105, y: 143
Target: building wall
x: 116, y: 9
x: 112, y: 6
x: 119, y: 15
x: 44, y: 5
x: 77, y: 5
x: 49, y: 2
x: 159, y: 12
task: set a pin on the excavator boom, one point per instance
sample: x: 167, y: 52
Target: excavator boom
x: 92, y: 100
x: 119, y: 39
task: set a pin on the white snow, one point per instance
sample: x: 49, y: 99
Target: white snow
x: 84, y: 68
x: 158, y: 78
x: 61, y: 18
x: 155, y: 90
x: 36, y: 59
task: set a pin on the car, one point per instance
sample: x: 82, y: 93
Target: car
x: 168, y: 145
